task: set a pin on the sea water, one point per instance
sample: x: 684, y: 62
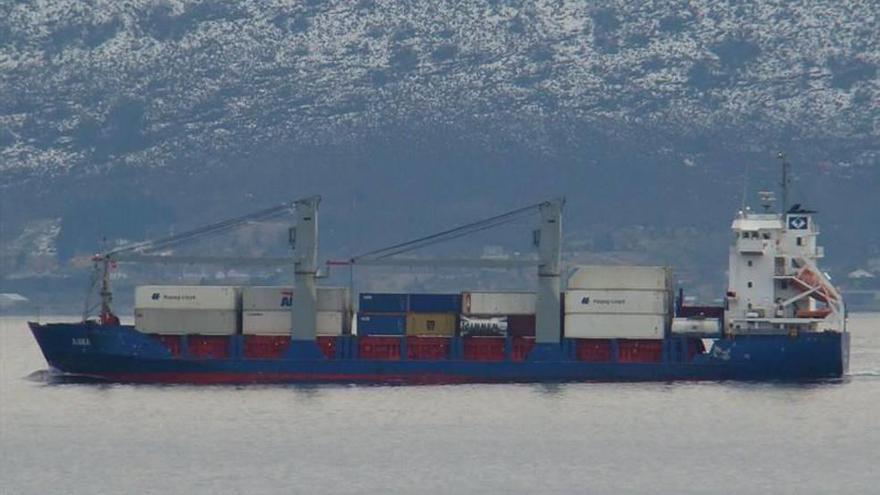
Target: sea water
x: 708, y: 437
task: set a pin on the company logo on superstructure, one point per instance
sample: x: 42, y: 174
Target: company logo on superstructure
x: 798, y: 222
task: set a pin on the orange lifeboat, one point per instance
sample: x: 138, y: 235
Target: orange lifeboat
x: 807, y: 279
x: 815, y: 313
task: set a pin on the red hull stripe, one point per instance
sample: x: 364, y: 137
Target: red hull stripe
x: 250, y: 378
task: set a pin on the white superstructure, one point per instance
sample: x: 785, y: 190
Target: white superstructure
x: 775, y: 285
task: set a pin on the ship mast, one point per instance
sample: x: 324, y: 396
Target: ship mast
x: 785, y: 182
x: 106, y: 293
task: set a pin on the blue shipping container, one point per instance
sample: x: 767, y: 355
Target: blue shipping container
x: 382, y: 324
x: 435, y: 303
x: 383, y: 303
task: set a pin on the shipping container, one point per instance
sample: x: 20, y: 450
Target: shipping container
x: 430, y: 324
x: 186, y: 321
x: 435, y: 303
x: 379, y: 348
x: 520, y: 347
x: 330, y: 323
x: 266, y: 298
x: 428, y: 348
x: 381, y: 324
x: 279, y: 322
x: 498, y: 303
x: 383, y: 303
x: 266, y: 346
x: 191, y: 297
x: 483, y: 348
x: 621, y: 277
x: 593, y: 350
x: 611, y: 326
x: 266, y: 323
x: 618, y: 301
x: 521, y: 325
x: 336, y: 299
x: 640, y: 351
x: 472, y: 326
x: 208, y: 346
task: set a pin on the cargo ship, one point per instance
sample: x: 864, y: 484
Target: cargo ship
x: 782, y: 318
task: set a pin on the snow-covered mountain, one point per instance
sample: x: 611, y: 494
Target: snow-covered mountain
x: 147, y: 83
x: 140, y: 113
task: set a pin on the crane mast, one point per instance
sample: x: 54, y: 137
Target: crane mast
x: 548, y: 305
x: 304, y: 241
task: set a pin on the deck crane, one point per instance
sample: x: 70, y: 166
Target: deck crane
x: 304, y: 241
x: 547, y: 239
x: 146, y: 252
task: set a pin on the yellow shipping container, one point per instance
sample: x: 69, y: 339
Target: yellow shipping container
x: 430, y: 324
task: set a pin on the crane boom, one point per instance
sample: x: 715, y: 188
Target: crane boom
x: 204, y: 231
x: 202, y: 260
x: 441, y: 262
x: 139, y: 252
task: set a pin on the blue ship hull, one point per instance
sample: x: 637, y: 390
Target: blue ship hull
x: 121, y: 354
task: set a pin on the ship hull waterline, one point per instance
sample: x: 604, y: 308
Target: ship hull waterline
x: 121, y: 354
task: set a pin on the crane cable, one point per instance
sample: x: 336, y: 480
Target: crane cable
x: 450, y: 234
x: 208, y: 230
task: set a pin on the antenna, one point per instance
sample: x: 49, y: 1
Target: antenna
x: 785, y: 181
x: 745, y: 188
x: 767, y: 199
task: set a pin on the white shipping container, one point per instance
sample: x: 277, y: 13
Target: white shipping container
x: 621, y: 277
x: 191, y: 297
x: 597, y: 301
x: 330, y: 322
x: 605, y: 326
x: 186, y: 321
x: 498, y: 303
x: 265, y: 322
x: 278, y: 322
x: 333, y: 299
x: 281, y: 298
